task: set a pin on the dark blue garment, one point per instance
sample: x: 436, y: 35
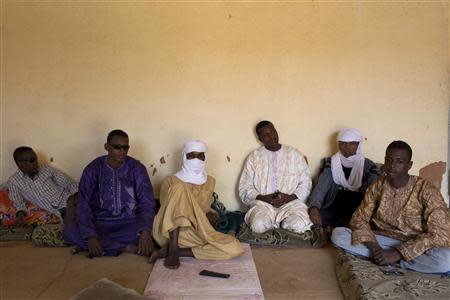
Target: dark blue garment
x: 337, y: 204
x: 113, y: 205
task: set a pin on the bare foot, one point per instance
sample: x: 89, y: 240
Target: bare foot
x: 172, y: 261
x: 157, y: 254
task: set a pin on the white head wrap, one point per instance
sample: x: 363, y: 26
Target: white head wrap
x: 193, y: 170
x: 356, y: 162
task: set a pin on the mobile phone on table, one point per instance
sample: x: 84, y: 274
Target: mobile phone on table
x: 214, y: 274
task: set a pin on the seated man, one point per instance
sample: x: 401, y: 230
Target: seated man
x: 342, y: 182
x: 44, y: 186
x: 402, y: 218
x: 182, y: 226
x: 115, y: 207
x: 275, y: 183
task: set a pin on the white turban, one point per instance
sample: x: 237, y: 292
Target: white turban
x: 355, y: 162
x: 193, y: 170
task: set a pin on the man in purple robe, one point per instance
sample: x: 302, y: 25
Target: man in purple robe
x: 115, y: 205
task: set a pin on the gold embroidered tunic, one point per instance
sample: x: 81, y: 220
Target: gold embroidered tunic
x: 415, y: 214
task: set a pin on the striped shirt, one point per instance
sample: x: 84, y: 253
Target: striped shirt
x: 266, y: 172
x: 49, y: 189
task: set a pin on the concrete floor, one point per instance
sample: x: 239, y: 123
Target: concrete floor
x: 28, y: 272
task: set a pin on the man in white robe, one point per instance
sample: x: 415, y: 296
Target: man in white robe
x: 275, y: 184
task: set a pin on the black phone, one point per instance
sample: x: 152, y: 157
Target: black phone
x: 214, y: 274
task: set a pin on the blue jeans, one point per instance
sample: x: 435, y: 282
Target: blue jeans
x: 436, y: 260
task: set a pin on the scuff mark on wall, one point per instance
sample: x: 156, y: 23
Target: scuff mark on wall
x: 228, y: 158
x: 434, y: 173
x: 162, y: 160
x: 154, y: 172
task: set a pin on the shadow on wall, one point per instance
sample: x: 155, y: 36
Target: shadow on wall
x: 332, y: 143
x: 434, y: 173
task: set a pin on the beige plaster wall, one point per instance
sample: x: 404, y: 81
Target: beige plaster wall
x: 167, y: 72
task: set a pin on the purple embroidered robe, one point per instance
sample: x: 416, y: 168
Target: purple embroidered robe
x: 114, y: 205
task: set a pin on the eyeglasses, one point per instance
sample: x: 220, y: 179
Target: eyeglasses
x: 30, y: 160
x: 118, y: 147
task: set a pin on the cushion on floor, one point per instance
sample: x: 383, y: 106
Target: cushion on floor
x: 186, y: 283
x: 361, y: 279
x: 16, y: 234
x: 313, y: 238
x: 50, y: 235
x: 35, y: 215
x: 105, y: 289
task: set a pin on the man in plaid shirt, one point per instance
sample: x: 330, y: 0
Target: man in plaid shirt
x: 44, y: 186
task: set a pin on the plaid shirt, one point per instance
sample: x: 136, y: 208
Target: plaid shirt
x: 49, y: 189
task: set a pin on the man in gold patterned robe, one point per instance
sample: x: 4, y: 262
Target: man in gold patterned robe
x: 402, y: 219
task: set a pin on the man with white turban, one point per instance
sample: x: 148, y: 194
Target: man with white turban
x: 182, y: 226
x: 275, y: 183
x: 342, y: 183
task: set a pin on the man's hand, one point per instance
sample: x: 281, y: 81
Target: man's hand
x: 282, y: 198
x: 94, y: 246
x: 145, y: 246
x: 277, y: 199
x: 372, y: 246
x: 20, y: 219
x: 269, y: 198
x: 314, y: 215
x: 384, y: 257
x: 212, y: 218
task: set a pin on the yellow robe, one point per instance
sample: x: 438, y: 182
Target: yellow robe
x: 185, y: 205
